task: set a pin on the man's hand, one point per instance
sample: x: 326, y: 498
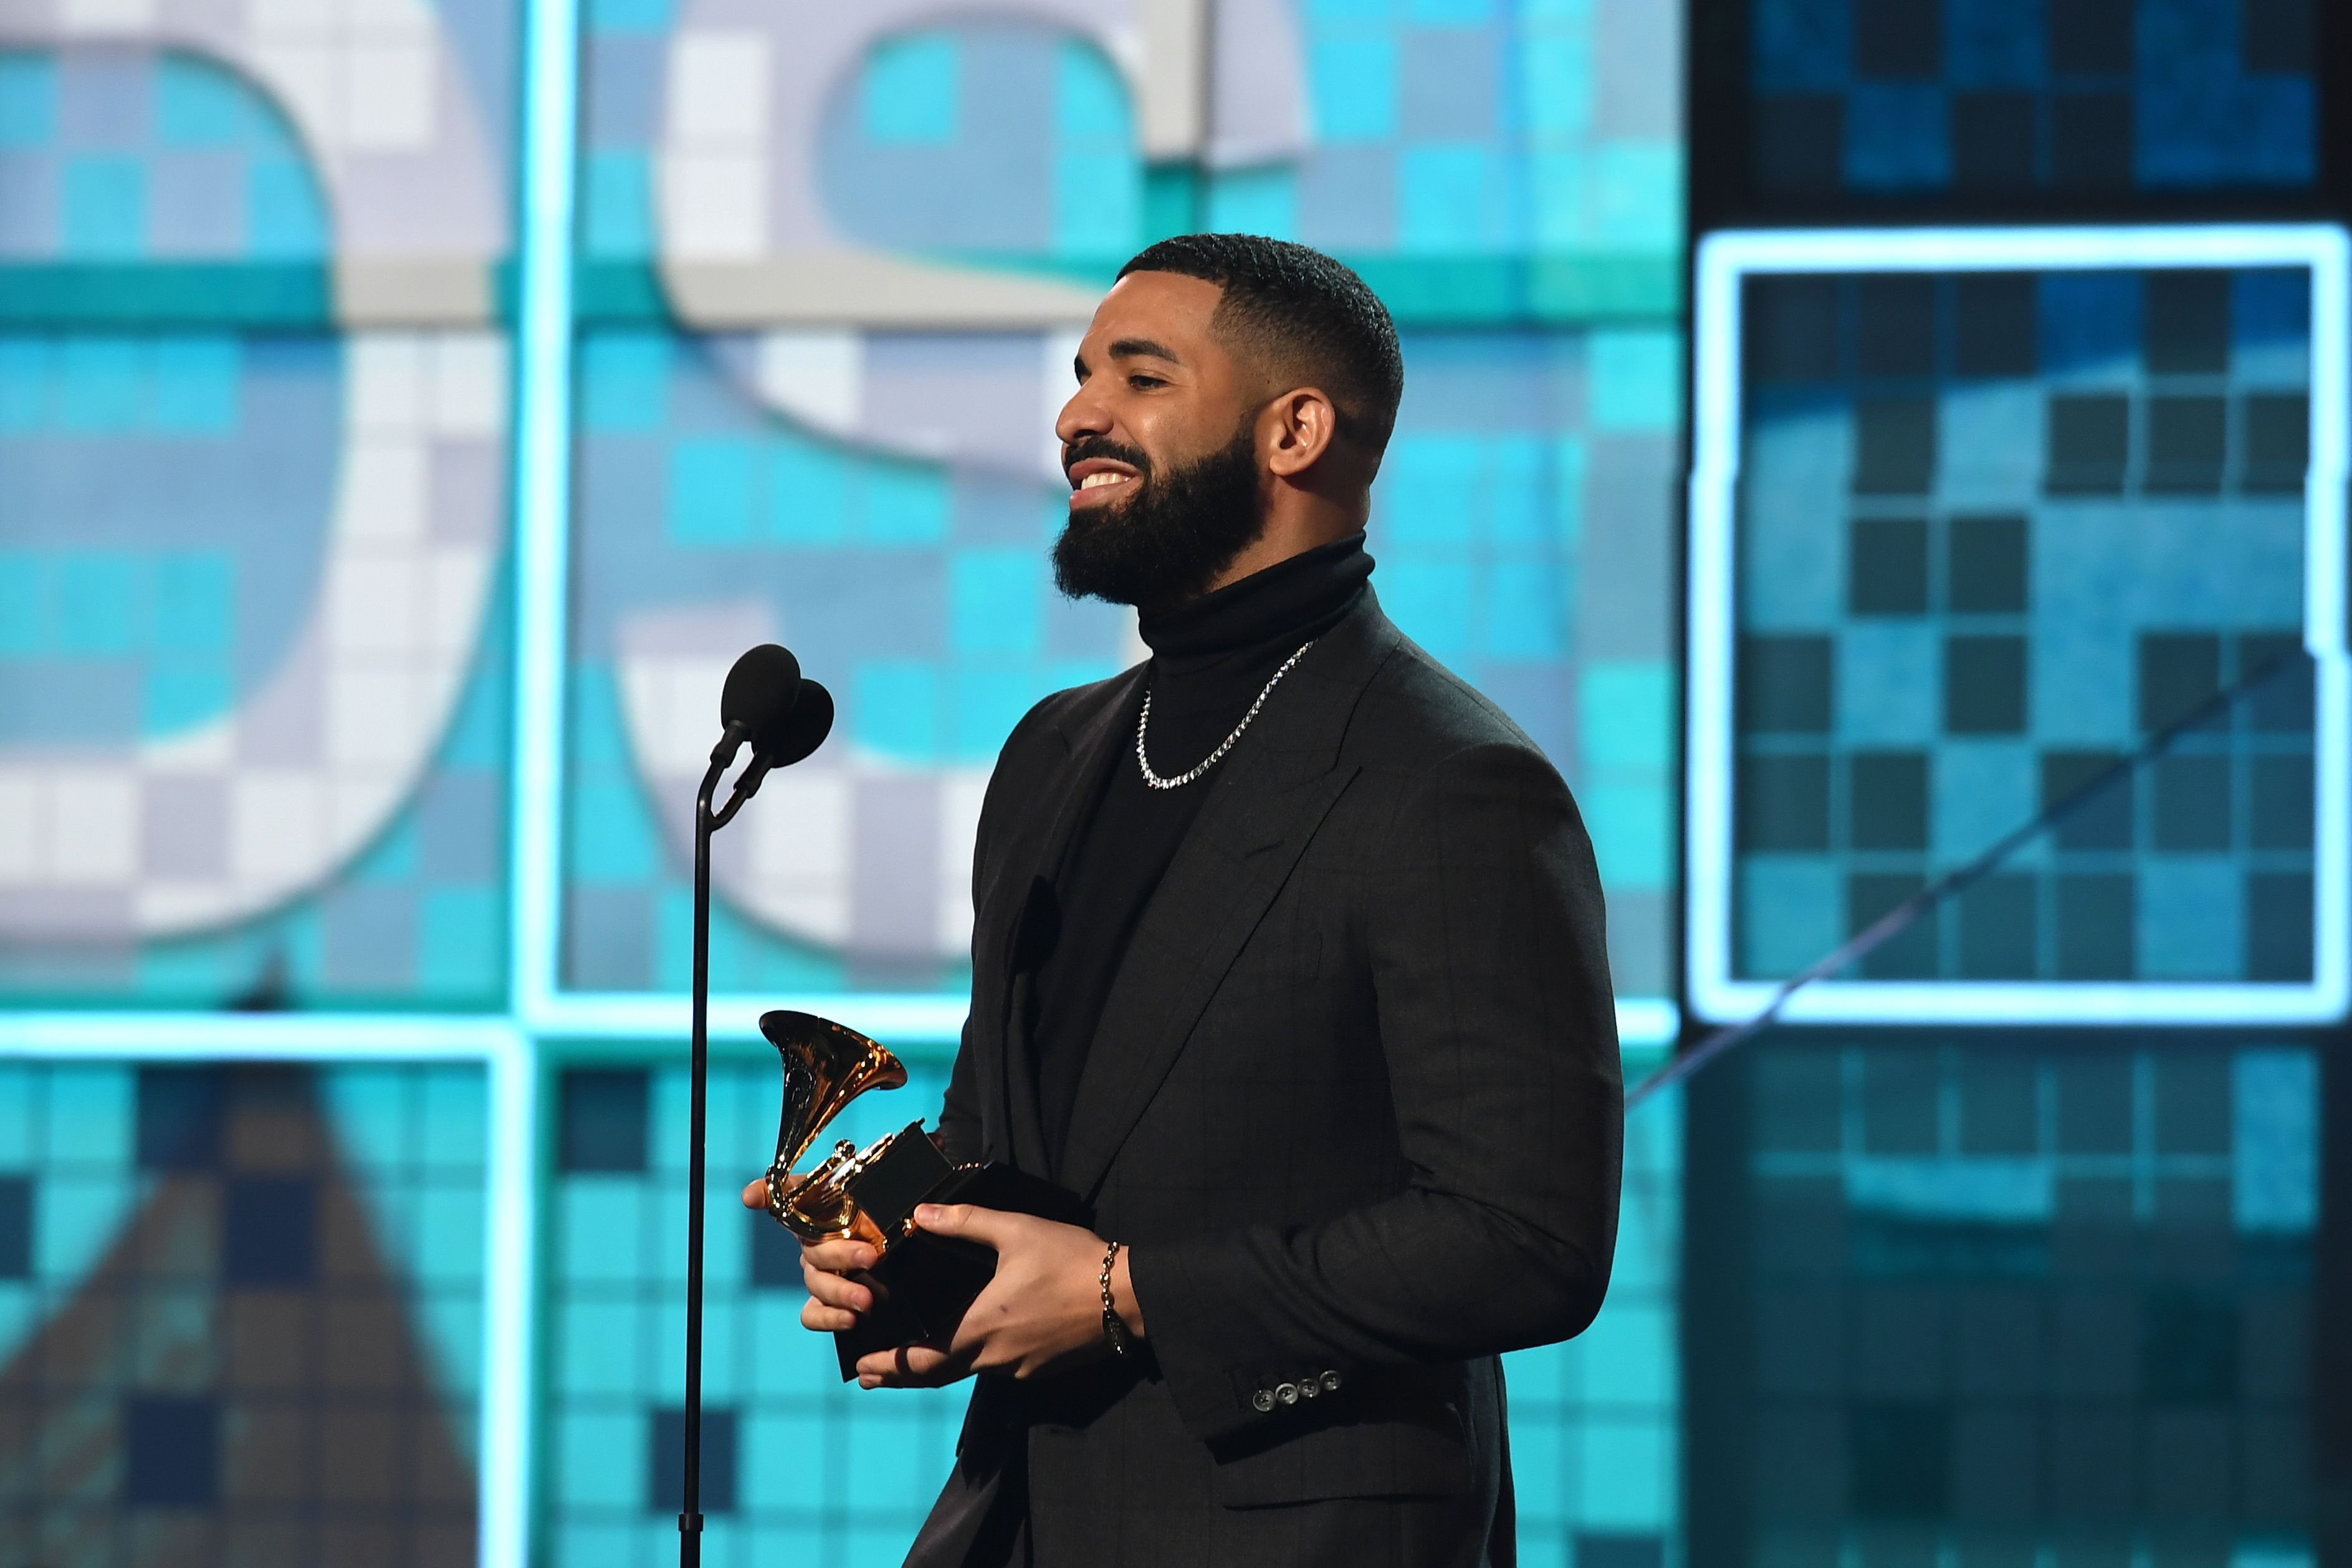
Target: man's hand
x: 1043, y: 1310
x: 835, y: 1298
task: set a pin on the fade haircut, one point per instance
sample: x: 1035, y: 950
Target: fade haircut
x: 1304, y: 315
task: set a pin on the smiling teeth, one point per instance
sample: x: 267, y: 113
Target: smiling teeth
x: 1101, y: 477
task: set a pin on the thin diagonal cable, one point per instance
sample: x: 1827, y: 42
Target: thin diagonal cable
x: 1894, y: 921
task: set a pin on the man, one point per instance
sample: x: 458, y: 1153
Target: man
x: 1289, y: 959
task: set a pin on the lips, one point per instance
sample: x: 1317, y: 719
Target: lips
x: 1097, y: 479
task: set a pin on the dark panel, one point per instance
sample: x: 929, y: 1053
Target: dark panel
x: 2193, y: 803
x: 1992, y: 141
x: 2001, y: 927
x: 2187, y: 443
x: 1894, y: 445
x: 1898, y: 38
x: 2194, y: 1102
x: 1784, y: 684
x: 2189, y: 1347
x: 2089, y: 443
x: 1984, y: 685
x: 2178, y: 671
x: 1987, y: 565
x: 2278, y: 926
x: 604, y: 1119
x: 776, y: 1253
x: 2277, y: 441
x: 2095, y: 933
x: 15, y: 1227
x: 1911, y: 953
x: 2089, y: 37
x: 171, y: 1452
x: 2091, y: 142
x: 1620, y: 1551
x: 1783, y: 804
x: 270, y: 1231
x: 1887, y: 799
x: 1995, y: 323
x: 2276, y: 35
x: 1800, y: 143
x: 2280, y: 814
x: 666, y: 1456
x: 2279, y: 700
x: 1886, y: 566
x: 1899, y: 1086
x: 1896, y: 324
x: 1899, y: 1455
x: 180, y: 1118
x: 2103, y: 820
x: 1790, y: 325
x: 2185, y: 322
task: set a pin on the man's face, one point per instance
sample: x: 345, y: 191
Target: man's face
x: 1159, y: 449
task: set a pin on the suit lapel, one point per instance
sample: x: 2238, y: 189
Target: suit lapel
x: 1052, y: 802
x: 1279, y: 784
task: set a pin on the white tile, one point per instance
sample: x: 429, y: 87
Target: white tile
x: 206, y: 749
x: 469, y: 394
x: 714, y: 206
x: 455, y: 580
x: 388, y: 21
x: 23, y: 818
x: 801, y: 827
x: 960, y: 796
x: 374, y: 717
x: 391, y: 95
x: 386, y: 490
x: 176, y: 906
x: 294, y: 18
x: 87, y: 16
x: 301, y: 73
x: 817, y: 376
x: 358, y: 801
x: 93, y: 822
x: 277, y: 825
x: 388, y: 381
x: 717, y: 95
x: 1057, y: 381
x: 372, y: 605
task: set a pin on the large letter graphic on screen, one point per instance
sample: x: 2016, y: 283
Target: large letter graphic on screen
x: 828, y: 189
x: 215, y: 809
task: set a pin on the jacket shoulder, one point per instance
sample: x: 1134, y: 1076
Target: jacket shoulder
x: 1416, y: 713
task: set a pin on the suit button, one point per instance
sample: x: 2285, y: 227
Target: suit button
x: 1330, y: 1383
x: 1307, y: 1387
x: 1262, y: 1401
x: 1287, y: 1391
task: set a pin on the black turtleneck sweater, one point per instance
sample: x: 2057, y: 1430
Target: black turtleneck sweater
x: 1210, y: 659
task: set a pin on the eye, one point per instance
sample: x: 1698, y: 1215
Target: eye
x: 1142, y: 382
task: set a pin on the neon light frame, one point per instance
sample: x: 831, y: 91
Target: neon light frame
x: 1723, y: 262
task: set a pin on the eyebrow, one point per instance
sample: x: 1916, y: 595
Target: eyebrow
x: 1131, y: 348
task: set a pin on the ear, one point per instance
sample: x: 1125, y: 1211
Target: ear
x: 1297, y: 430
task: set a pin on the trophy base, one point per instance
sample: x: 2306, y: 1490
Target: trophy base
x: 925, y: 1282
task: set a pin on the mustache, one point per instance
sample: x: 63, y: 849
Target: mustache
x: 1077, y: 452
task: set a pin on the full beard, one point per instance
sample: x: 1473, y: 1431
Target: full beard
x: 1168, y: 540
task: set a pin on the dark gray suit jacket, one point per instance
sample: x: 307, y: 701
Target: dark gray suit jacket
x: 1354, y: 1105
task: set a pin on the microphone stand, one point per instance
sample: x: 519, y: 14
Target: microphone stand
x: 689, y: 1519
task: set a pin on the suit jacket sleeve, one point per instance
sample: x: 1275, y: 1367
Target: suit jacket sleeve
x: 1484, y: 931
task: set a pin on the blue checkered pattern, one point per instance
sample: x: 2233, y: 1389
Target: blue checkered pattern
x: 1994, y: 532
x: 1877, y: 97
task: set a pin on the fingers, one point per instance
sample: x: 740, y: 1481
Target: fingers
x: 755, y: 1196
x: 987, y: 1226
x: 818, y: 1318
x: 837, y: 1290
x: 909, y: 1366
x: 838, y: 1257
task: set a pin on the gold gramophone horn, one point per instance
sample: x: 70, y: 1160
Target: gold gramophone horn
x: 826, y: 1065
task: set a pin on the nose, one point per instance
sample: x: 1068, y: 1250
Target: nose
x: 1081, y: 416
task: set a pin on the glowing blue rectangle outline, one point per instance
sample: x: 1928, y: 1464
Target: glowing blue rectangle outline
x: 503, y: 1509
x: 1722, y: 261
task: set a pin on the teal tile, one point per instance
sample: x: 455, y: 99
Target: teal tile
x: 1557, y: 197
x: 600, y: 1458
x: 1098, y: 203
x: 197, y: 383
x: 1450, y: 198
x: 28, y: 101
x: 1628, y: 1358
x: 101, y: 602
x: 996, y: 601
x: 909, y: 95
x: 24, y: 625
x: 1636, y: 378
x: 1090, y: 101
x: 1524, y: 612
x: 1543, y: 1449
x: 1556, y: 78
x: 198, y: 104
x: 455, y: 1119
x: 1426, y: 489
x: 16, y: 1109
x: 195, y: 601
x: 600, y: 1229
x: 449, y: 1235
x: 1626, y: 1475
x: 623, y: 379
x: 1352, y: 84
x: 25, y: 372
x: 895, y: 708
x: 631, y: 15
x: 710, y: 500
x: 610, y: 834
x: 99, y: 384
x: 1430, y: 597
x: 103, y: 205
x: 1254, y: 200
x: 904, y: 504
x: 594, y: 733
x: 1790, y: 912
x: 596, y: 1340
x: 1637, y: 195
x: 808, y: 491
x: 989, y: 703
x: 285, y: 213
x: 1626, y: 717
x: 461, y: 940
x: 1632, y: 834
x: 1520, y: 479
x: 616, y: 203
x: 180, y: 698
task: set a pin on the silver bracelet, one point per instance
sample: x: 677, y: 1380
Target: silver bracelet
x: 1113, y: 1329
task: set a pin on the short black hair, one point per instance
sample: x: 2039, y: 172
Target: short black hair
x: 1304, y: 311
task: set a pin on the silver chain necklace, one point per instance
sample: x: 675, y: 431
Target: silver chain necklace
x: 1143, y: 725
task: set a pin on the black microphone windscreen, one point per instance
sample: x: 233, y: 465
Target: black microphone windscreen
x: 804, y: 731
x: 761, y: 691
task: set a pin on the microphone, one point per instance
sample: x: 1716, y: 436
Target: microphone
x: 802, y: 732
x: 761, y: 691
